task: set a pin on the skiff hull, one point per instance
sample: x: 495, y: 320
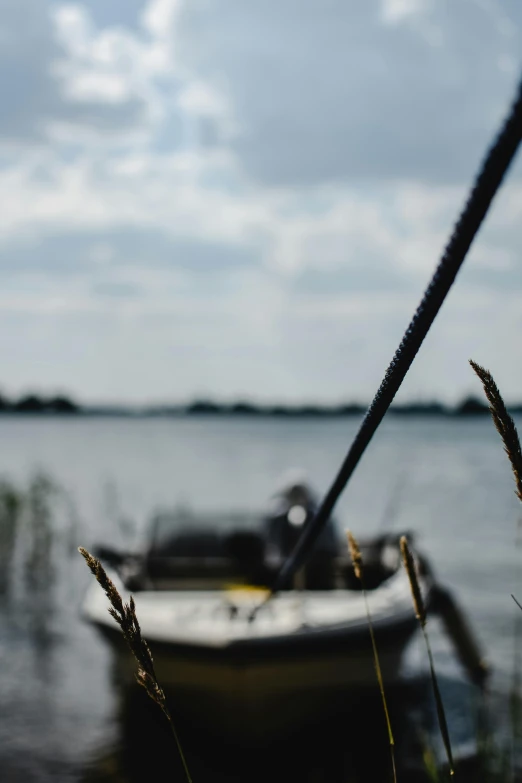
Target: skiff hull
x: 307, y: 657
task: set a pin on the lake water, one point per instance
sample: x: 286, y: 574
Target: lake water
x: 446, y: 480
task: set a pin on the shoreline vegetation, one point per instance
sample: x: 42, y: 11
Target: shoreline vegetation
x: 33, y: 404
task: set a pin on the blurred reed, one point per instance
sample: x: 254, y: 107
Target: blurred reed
x: 357, y: 561
x: 420, y: 612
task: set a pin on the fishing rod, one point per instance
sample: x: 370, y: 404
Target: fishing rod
x: 395, y: 497
x: 486, y: 185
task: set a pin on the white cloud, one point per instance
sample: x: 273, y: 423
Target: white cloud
x: 160, y: 16
x: 330, y: 94
x: 395, y: 11
x: 110, y: 88
x: 254, y: 197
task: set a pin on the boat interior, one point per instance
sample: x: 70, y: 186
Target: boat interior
x: 185, y: 551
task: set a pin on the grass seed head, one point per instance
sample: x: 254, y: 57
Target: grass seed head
x: 411, y: 570
x: 355, y: 554
x: 125, y: 615
x: 503, y: 422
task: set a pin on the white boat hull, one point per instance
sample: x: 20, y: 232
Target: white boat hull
x: 304, y: 656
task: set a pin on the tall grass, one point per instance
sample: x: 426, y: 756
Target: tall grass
x: 507, y: 430
x: 504, y: 424
x: 357, y: 562
x: 125, y: 615
x: 420, y: 611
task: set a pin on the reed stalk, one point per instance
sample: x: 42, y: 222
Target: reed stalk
x: 357, y: 562
x: 420, y: 612
x: 507, y: 430
x: 125, y: 615
x: 504, y: 424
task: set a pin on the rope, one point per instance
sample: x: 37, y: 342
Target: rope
x: 488, y: 181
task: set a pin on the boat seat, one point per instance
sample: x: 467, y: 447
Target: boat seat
x: 167, y: 573
x: 207, y: 559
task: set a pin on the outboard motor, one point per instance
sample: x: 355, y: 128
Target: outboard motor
x: 293, y: 508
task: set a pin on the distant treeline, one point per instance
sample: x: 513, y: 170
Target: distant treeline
x: 31, y: 403
x: 470, y: 406
x: 34, y: 404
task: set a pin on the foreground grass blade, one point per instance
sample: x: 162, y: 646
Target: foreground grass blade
x: 420, y: 612
x: 356, y: 556
x: 504, y: 424
x: 507, y: 430
x: 125, y: 615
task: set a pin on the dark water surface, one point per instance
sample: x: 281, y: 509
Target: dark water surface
x: 446, y: 480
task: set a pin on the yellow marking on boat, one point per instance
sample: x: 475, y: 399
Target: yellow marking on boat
x: 250, y: 590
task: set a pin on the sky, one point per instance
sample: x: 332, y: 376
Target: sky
x: 245, y: 200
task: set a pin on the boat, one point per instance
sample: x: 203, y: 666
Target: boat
x: 231, y: 656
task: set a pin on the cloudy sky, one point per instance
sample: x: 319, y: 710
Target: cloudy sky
x: 246, y: 198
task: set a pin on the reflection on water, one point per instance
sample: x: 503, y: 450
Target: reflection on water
x: 60, y: 717
x: 351, y: 746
